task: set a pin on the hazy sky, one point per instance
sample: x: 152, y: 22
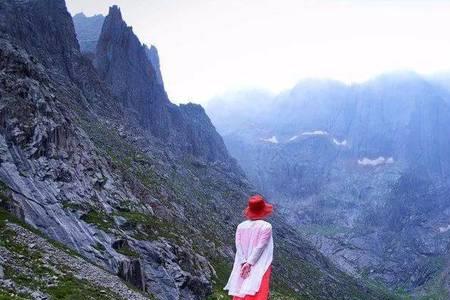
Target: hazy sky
x: 208, y: 47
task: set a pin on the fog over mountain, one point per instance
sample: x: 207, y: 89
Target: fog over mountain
x: 363, y: 170
x: 211, y: 47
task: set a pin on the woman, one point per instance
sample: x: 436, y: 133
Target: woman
x: 250, y: 277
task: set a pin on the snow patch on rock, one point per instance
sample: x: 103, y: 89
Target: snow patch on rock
x: 375, y: 162
x: 340, y: 143
x: 444, y: 229
x: 272, y: 140
x: 315, y: 132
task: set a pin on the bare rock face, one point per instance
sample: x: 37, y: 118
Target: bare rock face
x: 122, y: 61
x: 25, y: 21
x: 202, y: 138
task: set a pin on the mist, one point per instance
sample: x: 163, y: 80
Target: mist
x: 208, y: 48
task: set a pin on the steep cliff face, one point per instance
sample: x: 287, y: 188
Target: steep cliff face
x: 122, y: 61
x: 348, y: 164
x: 75, y: 164
x: 126, y: 65
x: 25, y: 23
x: 88, y: 31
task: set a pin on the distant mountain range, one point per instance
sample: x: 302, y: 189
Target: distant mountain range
x: 363, y: 170
x: 110, y: 191
x: 88, y: 31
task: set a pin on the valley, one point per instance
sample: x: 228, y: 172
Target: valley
x: 362, y: 170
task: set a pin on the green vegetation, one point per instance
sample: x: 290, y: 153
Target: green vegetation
x: 149, y: 227
x: 99, y: 247
x: 99, y: 218
x: 435, y: 289
x: 128, y: 251
x: 8, y: 241
x: 439, y: 294
x: 71, y: 288
x: 35, y: 271
x: 135, y: 218
x: 4, y: 295
x: 223, y: 270
x: 72, y: 206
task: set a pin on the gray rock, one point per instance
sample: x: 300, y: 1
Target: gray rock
x: 39, y: 296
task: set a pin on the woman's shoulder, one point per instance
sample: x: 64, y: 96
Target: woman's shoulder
x: 265, y: 224
x: 244, y: 223
x: 251, y: 223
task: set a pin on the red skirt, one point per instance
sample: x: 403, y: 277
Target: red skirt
x: 263, y: 293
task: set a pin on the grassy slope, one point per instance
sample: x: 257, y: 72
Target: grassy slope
x: 27, y: 269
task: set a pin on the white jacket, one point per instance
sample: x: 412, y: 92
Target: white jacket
x: 254, y: 244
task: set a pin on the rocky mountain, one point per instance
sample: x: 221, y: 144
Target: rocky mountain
x: 363, y: 170
x: 88, y: 31
x: 110, y: 191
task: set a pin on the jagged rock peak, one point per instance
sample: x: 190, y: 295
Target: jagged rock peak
x: 122, y: 61
x: 115, y: 17
x: 114, y: 20
x: 115, y: 13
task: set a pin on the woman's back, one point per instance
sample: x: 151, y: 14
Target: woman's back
x: 252, y: 235
x: 250, y: 277
x: 254, y: 245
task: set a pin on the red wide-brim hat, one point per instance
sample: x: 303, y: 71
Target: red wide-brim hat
x: 258, y: 208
